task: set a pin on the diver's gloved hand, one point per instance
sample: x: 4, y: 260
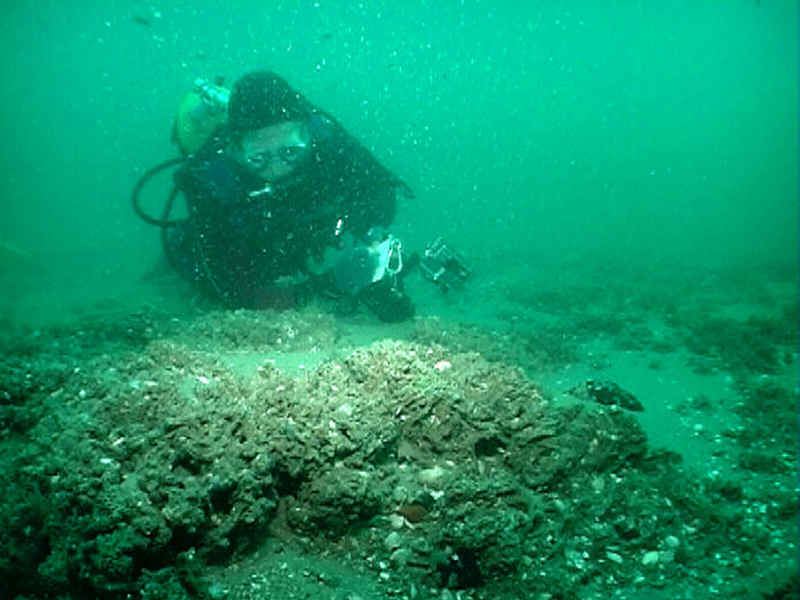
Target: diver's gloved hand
x: 364, y: 265
x: 372, y: 273
x: 387, y: 301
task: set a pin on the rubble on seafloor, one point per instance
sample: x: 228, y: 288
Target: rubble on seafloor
x: 142, y: 461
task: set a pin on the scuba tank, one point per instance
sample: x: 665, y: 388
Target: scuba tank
x: 201, y: 111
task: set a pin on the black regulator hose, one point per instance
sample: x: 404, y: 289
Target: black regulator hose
x: 164, y: 221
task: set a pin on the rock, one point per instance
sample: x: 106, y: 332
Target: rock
x: 432, y: 475
x: 650, y: 558
x: 392, y: 541
x: 607, y: 393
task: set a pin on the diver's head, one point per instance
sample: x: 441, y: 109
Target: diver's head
x: 269, y: 128
x: 275, y: 151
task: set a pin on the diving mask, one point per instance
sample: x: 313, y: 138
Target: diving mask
x: 275, y: 151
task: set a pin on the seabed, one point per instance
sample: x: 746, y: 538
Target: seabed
x: 301, y: 454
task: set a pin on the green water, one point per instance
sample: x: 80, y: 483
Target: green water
x: 619, y: 132
x: 622, y: 178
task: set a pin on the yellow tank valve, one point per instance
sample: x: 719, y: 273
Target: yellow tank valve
x: 201, y: 111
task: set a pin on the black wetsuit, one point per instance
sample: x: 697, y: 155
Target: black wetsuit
x: 239, y: 240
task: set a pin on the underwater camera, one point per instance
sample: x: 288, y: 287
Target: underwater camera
x: 443, y: 266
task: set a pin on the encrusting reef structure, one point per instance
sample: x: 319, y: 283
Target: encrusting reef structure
x: 149, y: 457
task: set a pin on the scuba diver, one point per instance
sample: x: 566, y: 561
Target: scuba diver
x: 284, y: 204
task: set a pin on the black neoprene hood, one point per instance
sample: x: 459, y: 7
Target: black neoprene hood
x: 261, y: 99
